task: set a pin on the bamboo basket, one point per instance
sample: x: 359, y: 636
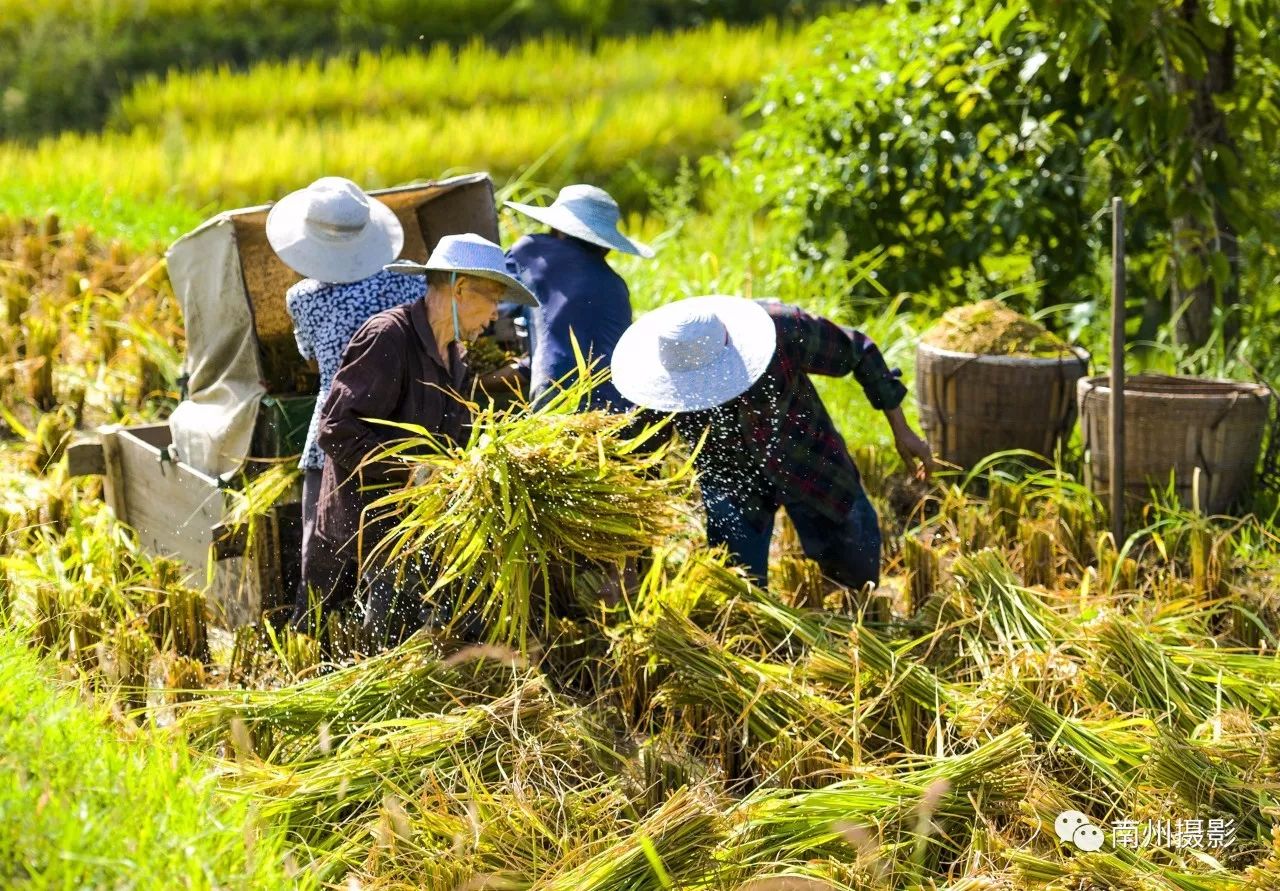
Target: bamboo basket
x: 1205, y: 434
x: 972, y: 405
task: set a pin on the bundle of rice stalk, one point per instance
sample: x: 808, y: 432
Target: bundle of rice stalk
x: 1119, y: 871
x: 251, y: 503
x: 1112, y: 752
x: 1249, y: 680
x: 285, y: 723
x: 776, y: 824
x: 669, y: 848
x: 766, y: 700
x: 1141, y: 676
x: 840, y: 648
x: 995, y: 613
x: 529, y: 493
x: 480, y: 835
x: 318, y: 798
x: 1213, y: 786
x: 695, y: 582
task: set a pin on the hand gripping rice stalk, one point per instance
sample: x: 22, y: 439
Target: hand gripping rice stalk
x: 529, y: 495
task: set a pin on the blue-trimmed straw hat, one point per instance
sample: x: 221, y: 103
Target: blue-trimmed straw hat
x: 694, y: 354
x: 333, y: 232
x: 470, y: 254
x: 585, y: 212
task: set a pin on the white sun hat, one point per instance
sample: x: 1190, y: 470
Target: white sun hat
x: 585, y: 212
x: 333, y: 232
x: 470, y: 254
x: 695, y: 353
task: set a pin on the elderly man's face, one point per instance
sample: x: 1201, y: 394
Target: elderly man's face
x: 477, y: 303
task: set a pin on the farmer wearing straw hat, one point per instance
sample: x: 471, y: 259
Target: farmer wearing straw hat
x: 405, y: 365
x: 579, y: 295
x: 738, y: 371
x: 339, y: 239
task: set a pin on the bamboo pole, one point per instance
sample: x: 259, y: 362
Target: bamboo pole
x: 1117, y: 371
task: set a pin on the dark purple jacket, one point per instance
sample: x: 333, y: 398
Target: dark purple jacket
x: 391, y: 371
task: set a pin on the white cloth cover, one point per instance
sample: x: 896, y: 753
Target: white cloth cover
x: 212, y: 428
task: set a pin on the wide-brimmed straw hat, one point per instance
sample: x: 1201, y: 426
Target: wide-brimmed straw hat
x: 471, y: 254
x: 333, y: 232
x: 585, y: 212
x: 694, y: 354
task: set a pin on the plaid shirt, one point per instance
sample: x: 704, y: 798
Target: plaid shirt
x: 776, y: 444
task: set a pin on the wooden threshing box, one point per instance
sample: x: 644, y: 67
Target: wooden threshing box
x: 248, y: 399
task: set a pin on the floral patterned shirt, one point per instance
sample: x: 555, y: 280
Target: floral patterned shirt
x: 325, y: 318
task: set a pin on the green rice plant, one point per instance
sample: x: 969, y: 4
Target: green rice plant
x: 528, y: 494
x: 592, y: 138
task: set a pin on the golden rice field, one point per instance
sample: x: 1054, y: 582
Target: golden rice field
x: 550, y: 71
x: 192, y: 143
x: 693, y: 734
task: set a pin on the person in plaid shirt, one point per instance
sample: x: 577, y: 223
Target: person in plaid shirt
x: 736, y: 374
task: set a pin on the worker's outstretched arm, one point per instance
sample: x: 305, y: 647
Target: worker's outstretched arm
x: 819, y: 346
x: 912, y: 447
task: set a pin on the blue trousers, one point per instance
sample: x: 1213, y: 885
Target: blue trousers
x: 847, y: 551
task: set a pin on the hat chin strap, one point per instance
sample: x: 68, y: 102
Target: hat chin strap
x: 453, y: 298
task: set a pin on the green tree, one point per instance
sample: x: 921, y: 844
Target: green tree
x: 960, y: 133
x: 920, y: 135
x: 1190, y: 86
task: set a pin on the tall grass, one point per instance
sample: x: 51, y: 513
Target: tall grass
x: 84, y: 807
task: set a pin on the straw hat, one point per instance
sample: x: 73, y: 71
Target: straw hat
x: 588, y: 213
x: 694, y: 354
x: 470, y: 254
x: 333, y: 232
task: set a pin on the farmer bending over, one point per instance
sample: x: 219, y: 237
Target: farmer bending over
x: 579, y: 295
x: 739, y: 370
x: 405, y: 365
x: 337, y: 238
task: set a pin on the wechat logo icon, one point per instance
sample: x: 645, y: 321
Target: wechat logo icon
x: 1075, y: 828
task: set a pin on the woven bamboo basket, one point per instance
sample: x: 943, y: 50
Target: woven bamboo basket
x: 1205, y: 435
x: 973, y: 405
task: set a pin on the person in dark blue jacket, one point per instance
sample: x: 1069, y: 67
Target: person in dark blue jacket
x: 579, y: 294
